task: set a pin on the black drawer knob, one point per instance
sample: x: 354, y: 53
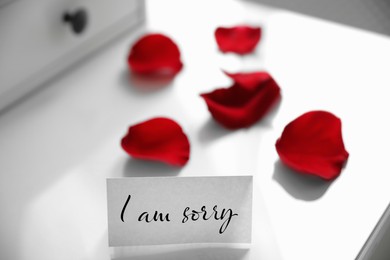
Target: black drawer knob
x: 78, y: 20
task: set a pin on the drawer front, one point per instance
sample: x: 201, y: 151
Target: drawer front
x: 36, y: 43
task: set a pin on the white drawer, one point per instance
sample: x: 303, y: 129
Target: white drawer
x: 35, y: 42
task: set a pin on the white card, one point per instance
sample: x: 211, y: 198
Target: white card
x: 178, y: 210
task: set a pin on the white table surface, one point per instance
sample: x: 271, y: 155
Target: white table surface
x: 58, y: 146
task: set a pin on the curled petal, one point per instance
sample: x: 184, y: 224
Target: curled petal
x: 249, y: 80
x: 238, y: 39
x: 237, y: 106
x: 313, y: 144
x: 159, y: 139
x: 155, y: 54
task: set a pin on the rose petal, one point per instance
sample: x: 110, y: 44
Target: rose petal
x: 238, y: 39
x: 159, y: 139
x: 249, y: 80
x: 238, y: 106
x: 313, y: 144
x: 155, y: 54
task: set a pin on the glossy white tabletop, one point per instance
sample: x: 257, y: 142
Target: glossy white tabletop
x: 58, y: 146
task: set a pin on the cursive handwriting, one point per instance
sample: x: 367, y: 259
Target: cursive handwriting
x: 224, y: 215
x: 195, y: 215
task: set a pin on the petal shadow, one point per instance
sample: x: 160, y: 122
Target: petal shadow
x: 267, y: 120
x: 144, y: 168
x: 211, y: 131
x: 298, y: 185
x: 144, y: 84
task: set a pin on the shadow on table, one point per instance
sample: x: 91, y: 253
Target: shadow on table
x: 224, y: 253
x: 145, y: 84
x: 267, y: 120
x: 300, y: 186
x: 212, y: 131
x: 144, y: 168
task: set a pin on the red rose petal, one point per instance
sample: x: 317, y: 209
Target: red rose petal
x: 240, y: 106
x: 238, y: 39
x: 313, y: 144
x: 155, y: 54
x: 159, y: 139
